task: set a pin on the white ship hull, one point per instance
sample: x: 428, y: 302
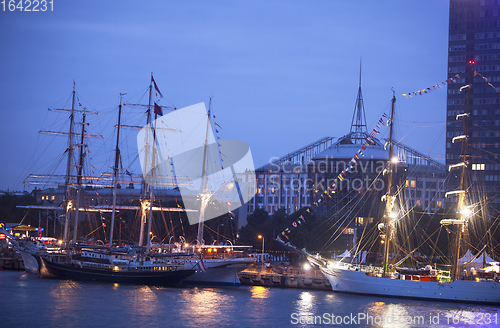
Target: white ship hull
x: 217, y: 271
x: 346, y: 280
x: 30, y: 263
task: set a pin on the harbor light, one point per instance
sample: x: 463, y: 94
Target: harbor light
x: 262, y: 237
x: 306, y: 266
x: 466, y: 211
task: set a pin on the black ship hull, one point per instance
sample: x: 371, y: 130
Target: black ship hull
x: 155, y: 278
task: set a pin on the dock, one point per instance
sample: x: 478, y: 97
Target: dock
x: 284, y: 277
x: 10, y: 259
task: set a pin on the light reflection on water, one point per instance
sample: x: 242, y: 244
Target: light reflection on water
x: 55, y: 303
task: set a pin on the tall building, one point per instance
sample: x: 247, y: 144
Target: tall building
x: 474, y: 54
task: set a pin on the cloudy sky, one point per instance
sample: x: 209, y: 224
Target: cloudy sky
x: 282, y: 73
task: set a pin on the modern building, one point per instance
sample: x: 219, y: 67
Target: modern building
x: 302, y: 178
x: 474, y: 54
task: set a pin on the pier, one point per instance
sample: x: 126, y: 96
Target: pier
x: 284, y: 277
x: 10, y: 259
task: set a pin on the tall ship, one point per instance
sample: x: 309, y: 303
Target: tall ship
x: 211, y: 264
x: 212, y: 175
x: 425, y: 282
x: 81, y: 261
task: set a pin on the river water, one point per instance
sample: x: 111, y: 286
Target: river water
x: 29, y: 301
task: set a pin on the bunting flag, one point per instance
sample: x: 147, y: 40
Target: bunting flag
x: 156, y: 87
x: 158, y: 110
x: 453, y: 79
x: 484, y: 78
x: 217, y: 125
x: 381, y: 121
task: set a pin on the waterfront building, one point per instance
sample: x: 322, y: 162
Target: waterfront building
x: 301, y: 178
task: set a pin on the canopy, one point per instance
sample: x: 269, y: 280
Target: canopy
x: 24, y: 227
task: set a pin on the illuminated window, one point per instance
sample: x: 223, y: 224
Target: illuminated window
x: 52, y: 197
x: 407, y: 184
x: 413, y: 183
x: 478, y: 167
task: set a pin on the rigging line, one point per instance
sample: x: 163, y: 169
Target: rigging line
x: 165, y: 223
x: 343, y: 218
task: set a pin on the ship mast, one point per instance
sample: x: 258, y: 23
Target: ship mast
x: 79, y: 179
x: 68, y: 168
x: 462, y: 210
x: 115, y: 171
x: 146, y: 186
x: 388, y: 216
x: 153, y: 170
x: 204, y: 194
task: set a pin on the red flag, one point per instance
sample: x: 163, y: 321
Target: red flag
x: 156, y: 87
x: 363, y: 147
x: 158, y: 110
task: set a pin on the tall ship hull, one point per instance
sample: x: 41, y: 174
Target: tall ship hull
x: 217, y: 271
x: 52, y: 269
x: 353, y: 279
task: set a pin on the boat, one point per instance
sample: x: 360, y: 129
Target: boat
x: 429, y: 283
x: 106, y: 266
x: 110, y: 264
x: 214, y: 187
x: 217, y: 264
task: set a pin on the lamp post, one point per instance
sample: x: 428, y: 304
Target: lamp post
x: 262, y: 237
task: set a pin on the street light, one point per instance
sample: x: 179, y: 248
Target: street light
x: 260, y: 236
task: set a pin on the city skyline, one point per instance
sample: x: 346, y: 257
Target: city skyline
x: 282, y: 74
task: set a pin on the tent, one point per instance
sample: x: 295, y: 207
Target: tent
x: 467, y: 262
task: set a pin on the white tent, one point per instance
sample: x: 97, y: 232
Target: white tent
x: 345, y: 254
x: 477, y: 263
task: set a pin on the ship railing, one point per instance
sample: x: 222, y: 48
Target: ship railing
x: 353, y: 267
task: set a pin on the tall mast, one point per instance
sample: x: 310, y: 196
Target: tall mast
x: 153, y: 171
x: 204, y: 196
x: 461, y: 208
x: 390, y: 194
x: 79, y: 180
x: 115, y: 169
x: 68, y: 169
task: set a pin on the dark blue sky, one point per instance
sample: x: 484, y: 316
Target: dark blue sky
x: 283, y: 73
